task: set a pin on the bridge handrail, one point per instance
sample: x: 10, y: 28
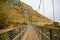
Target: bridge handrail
x: 44, y: 35
x: 9, y: 29
x: 52, y: 28
x: 18, y: 34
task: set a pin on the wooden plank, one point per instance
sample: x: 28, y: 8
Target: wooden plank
x: 9, y: 29
x: 31, y: 34
x: 18, y: 35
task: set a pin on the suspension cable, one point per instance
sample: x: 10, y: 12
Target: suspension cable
x: 43, y: 8
x: 39, y: 5
x: 53, y: 10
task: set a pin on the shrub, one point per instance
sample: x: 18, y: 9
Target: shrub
x: 3, y: 0
x: 4, y: 36
x: 4, y: 21
x: 56, y: 24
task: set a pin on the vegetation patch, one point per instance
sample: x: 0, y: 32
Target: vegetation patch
x: 4, y: 20
x: 3, y: 0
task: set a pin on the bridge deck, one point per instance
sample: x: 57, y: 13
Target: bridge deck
x: 31, y: 34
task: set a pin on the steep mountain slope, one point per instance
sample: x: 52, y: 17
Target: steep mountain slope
x: 40, y: 19
x: 19, y: 13
x: 13, y: 14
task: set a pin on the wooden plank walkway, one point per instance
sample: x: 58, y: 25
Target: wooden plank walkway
x: 31, y: 34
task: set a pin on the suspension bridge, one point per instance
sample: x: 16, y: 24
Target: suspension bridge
x: 33, y: 30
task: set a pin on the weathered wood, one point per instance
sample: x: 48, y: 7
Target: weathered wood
x: 10, y: 29
x: 49, y: 27
x: 30, y: 34
x: 44, y: 35
x: 18, y: 35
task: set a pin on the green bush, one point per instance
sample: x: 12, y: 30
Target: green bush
x: 35, y: 21
x: 13, y: 34
x: 25, y: 23
x: 3, y: 0
x: 4, y: 36
x: 8, y: 36
x: 4, y: 20
x: 56, y: 24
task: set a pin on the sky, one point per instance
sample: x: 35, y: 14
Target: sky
x: 48, y: 8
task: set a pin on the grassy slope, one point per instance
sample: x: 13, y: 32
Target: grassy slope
x: 32, y: 13
x: 16, y: 16
x: 13, y: 15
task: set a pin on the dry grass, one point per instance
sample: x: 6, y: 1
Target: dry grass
x: 14, y: 13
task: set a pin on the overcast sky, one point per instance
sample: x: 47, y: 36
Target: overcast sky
x: 47, y: 7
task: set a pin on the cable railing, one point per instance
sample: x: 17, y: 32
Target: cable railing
x: 10, y: 29
x: 47, y: 34
x: 41, y: 34
x: 48, y: 27
x: 13, y: 32
x: 19, y: 34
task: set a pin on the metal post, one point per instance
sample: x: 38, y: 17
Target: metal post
x: 10, y: 35
x: 42, y: 31
x: 53, y: 10
x: 51, y: 37
x: 19, y: 32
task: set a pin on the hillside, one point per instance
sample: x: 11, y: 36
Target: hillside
x: 16, y: 17
x: 13, y: 14
x: 40, y: 19
x: 21, y: 13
